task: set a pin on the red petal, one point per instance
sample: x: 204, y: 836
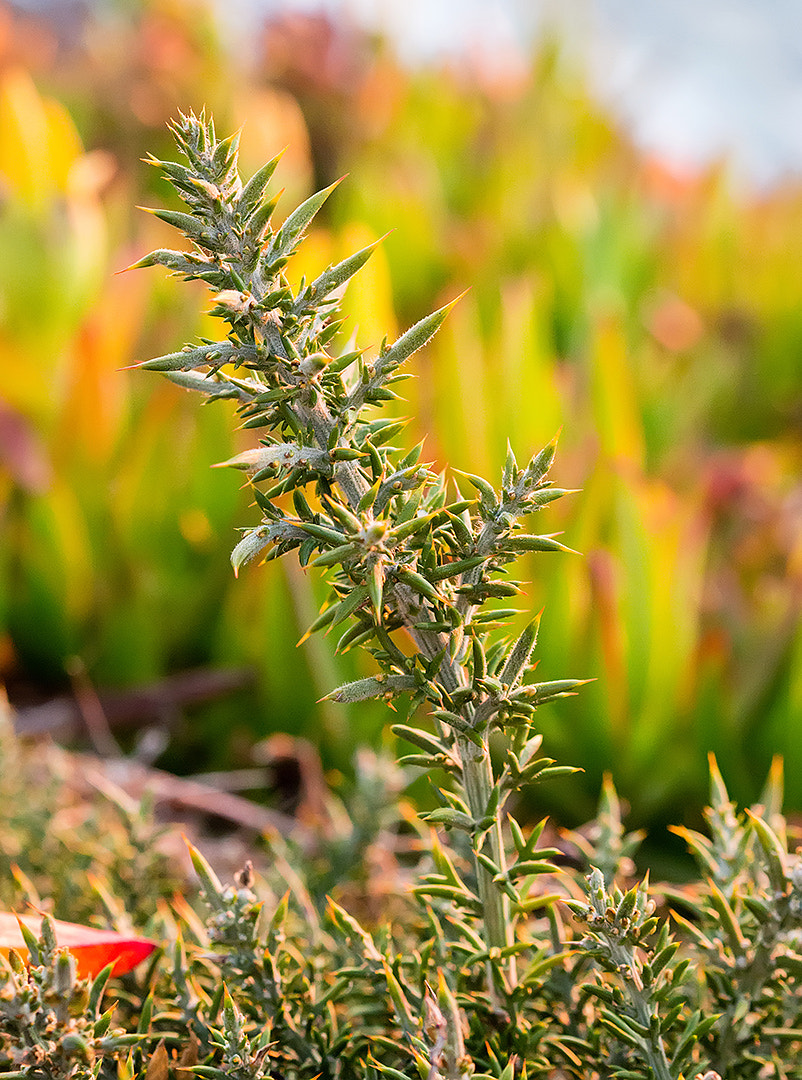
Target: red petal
x: 93, y: 949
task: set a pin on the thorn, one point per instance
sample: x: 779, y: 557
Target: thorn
x: 447, y: 307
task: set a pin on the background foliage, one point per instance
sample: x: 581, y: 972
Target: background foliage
x: 656, y: 316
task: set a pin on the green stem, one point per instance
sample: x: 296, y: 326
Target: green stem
x: 654, y: 1049
x: 477, y: 772
x: 478, y: 781
x: 477, y: 777
x: 477, y: 769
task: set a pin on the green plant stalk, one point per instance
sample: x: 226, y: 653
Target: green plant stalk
x: 477, y: 772
x: 654, y: 1050
x: 395, y: 566
x: 478, y: 781
x: 619, y: 923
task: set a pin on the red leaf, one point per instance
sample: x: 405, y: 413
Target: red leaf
x: 93, y: 949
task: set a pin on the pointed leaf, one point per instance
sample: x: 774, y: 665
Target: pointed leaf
x: 297, y: 223
x: 286, y: 455
x: 349, y: 605
x: 452, y: 819
x: 549, y: 495
x: 251, y: 545
x: 422, y: 739
x: 525, y: 542
x: 541, y: 463
x: 518, y: 659
x: 189, y: 225
x: 414, y: 338
x: 337, y: 275
x: 253, y: 192
x: 215, y: 387
x: 374, y: 687
x: 418, y: 583
x: 454, y: 569
x: 485, y: 489
x: 210, y: 883
x: 215, y: 355
x: 774, y: 851
x: 375, y: 585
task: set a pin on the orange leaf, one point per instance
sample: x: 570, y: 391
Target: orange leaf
x: 92, y: 949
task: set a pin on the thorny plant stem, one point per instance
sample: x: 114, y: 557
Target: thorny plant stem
x: 250, y: 267
x: 477, y: 771
x: 654, y: 1051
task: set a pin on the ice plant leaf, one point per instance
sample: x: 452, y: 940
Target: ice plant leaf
x: 93, y: 949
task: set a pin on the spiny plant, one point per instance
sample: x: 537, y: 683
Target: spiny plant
x: 264, y: 987
x: 269, y: 986
x: 415, y: 566
x: 51, y: 1020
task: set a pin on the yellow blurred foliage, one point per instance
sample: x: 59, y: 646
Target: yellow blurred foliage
x: 38, y: 140
x: 53, y: 234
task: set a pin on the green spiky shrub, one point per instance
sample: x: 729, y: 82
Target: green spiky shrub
x: 417, y: 570
x: 261, y: 981
x: 495, y: 963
